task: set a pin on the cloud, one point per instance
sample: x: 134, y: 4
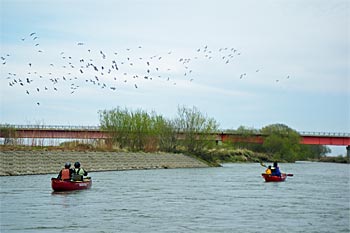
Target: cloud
x: 294, y: 56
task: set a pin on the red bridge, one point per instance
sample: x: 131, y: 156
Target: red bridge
x: 309, y: 138
x: 94, y: 132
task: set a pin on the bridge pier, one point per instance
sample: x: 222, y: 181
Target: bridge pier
x: 348, y: 152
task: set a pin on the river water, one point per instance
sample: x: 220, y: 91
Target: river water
x: 233, y: 198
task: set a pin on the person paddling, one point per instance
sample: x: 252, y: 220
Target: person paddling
x: 268, y: 170
x: 275, y: 171
x: 66, y: 172
x: 79, y: 172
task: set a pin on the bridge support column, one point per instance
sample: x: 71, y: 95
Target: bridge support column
x: 348, y: 153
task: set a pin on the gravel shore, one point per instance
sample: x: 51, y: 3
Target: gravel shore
x: 14, y: 163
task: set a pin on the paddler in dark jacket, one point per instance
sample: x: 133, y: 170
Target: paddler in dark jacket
x: 66, y: 172
x: 275, y: 170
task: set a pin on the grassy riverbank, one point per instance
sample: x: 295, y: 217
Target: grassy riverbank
x: 227, y: 155
x: 332, y: 159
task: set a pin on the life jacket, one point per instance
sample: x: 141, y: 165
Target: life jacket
x: 80, y: 171
x: 268, y: 171
x: 65, y: 175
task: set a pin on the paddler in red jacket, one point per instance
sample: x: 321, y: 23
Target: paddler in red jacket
x: 66, y: 172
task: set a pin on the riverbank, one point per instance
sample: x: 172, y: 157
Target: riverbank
x: 26, y: 162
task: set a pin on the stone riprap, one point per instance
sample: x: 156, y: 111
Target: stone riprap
x: 51, y: 162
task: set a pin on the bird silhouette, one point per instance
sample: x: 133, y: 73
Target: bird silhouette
x: 94, y: 68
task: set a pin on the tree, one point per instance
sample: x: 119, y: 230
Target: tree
x: 313, y: 152
x: 281, y: 141
x: 138, y: 130
x: 246, y: 132
x: 117, y: 122
x: 9, y: 134
x: 166, y: 134
x: 197, y: 129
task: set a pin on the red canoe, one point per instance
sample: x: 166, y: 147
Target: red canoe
x: 60, y: 185
x: 269, y: 178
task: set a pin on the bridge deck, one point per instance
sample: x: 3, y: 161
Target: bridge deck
x: 94, y: 132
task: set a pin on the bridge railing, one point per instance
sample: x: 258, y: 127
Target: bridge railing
x: 333, y: 134
x: 58, y: 127
x: 91, y: 127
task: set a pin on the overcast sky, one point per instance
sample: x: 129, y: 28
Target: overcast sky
x: 242, y: 62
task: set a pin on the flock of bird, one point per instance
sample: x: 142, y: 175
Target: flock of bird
x: 108, y: 70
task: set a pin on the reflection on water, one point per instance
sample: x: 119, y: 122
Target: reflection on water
x: 65, y: 193
x: 233, y: 198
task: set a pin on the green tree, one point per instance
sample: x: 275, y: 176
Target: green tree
x: 197, y: 129
x: 166, y: 134
x: 117, y: 122
x: 9, y: 134
x: 313, y: 152
x: 246, y: 132
x: 137, y: 130
x: 281, y: 141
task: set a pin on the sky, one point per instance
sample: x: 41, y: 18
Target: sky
x: 245, y: 63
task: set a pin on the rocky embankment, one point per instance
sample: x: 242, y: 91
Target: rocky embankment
x: 51, y: 162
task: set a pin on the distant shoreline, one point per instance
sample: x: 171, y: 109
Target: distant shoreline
x: 16, y: 163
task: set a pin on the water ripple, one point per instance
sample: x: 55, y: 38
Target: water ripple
x: 230, y: 199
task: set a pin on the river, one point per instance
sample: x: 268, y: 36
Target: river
x: 233, y: 198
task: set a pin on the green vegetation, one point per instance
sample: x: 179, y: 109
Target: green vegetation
x: 9, y: 135
x: 281, y: 143
x: 138, y: 130
x: 193, y: 133
x: 338, y: 159
x: 142, y: 131
x: 197, y: 130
